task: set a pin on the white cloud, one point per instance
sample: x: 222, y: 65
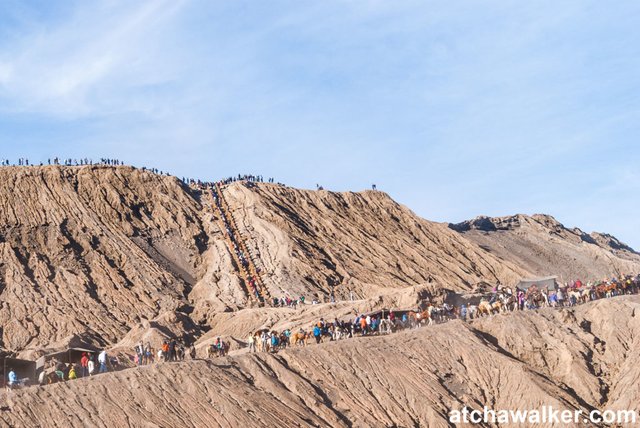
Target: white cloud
x: 75, y: 68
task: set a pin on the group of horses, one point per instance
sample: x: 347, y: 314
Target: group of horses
x: 339, y: 330
x: 264, y: 341
x: 587, y: 293
x: 502, y: 300
x: 428, y: 314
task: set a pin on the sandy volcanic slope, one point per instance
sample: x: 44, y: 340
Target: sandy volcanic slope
x: 592, y: 349
x: 95, y: 251
x: 70, y: 254
x: 543, y: 246
x: 100, y: 251
x: 360, y: 242
x: 525, y: 360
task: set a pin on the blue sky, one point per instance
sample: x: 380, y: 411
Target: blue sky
x: 456, y: 109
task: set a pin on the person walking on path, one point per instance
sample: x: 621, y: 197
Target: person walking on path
x: 91, y: 367
x: 12, y: 379
x: 102, y: 360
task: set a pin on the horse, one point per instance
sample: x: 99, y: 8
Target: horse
x: 432, y: 315
x: 576, y: 295
x: 385, y: 326
x: 429, y: 314
x: 180, y: 353
x: 484, y: 308
x: 299, y: 338
x: 535, y: 297
x: 416, y: 318
x: 224, y: 349
x: 497, y: 307
x: 509, y: 302
x: 215, y: 351
x: 211, y: 351
x: 283, y: 340
x: 339, y: 332
x: 326, y: 333
x: 451, y: 312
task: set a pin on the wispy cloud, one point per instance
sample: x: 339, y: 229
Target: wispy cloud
x: 86, y: 65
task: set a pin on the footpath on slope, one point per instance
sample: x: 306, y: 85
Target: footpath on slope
x: 413, y: 378
x: 250, y: 276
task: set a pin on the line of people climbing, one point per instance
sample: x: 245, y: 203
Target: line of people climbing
x: 77, y: 162
x: 170, y: 350
x: 362, y: 325
x: 194, y: 182
x: 377, y: 323
x: 91, y: 364
x: 238, y: 248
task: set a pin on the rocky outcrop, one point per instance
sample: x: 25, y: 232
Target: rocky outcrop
x: 543, y: 246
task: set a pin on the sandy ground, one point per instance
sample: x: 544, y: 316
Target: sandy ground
x: 579, y: 358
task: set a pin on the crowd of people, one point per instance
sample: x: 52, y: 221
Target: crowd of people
x: 568, y: 294
x: 382, y: 322
x: 63, y: 162
x: 288, y: 302
x: 77, y: 162
x: 360, y: 325
x: 90, y: 364
x: 501, y: 299
x: 170, y: 350
x: 237, y: 247
x: 248, y: 179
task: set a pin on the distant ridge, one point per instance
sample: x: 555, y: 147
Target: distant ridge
x: 544, y: 246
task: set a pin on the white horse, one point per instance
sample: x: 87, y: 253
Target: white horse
x: 385, y: 326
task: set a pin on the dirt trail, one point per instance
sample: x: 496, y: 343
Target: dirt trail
x: 412, y: 378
